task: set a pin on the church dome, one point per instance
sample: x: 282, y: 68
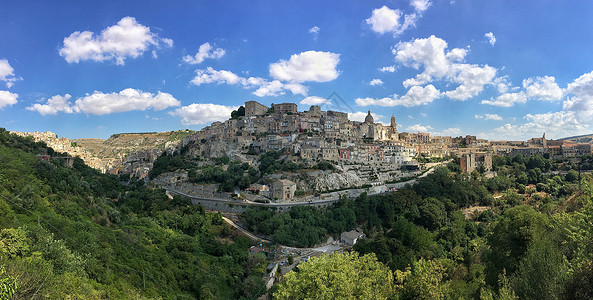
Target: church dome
x: 369, y: 118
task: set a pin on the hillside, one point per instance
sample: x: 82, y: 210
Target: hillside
x: 118, y: 145
x: 73, y: 233
x: 587, y: 138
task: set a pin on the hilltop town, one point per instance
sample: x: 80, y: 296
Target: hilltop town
x: 325, y: 151
x: 329, y: 135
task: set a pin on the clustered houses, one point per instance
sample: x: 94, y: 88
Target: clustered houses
x: 330, y: 135
x: 314, y: 135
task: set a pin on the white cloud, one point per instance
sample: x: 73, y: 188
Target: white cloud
x: 7, y: 73
x: 314, y: 31
x: 502, y: 84
x: 542, y: 88
x: 507, y: 99
x: 209, y: 75
x: 494, y: 117
x: 126, y: 39
x: 420, y: 5
x: 314, y: 100
x: 438, y: 64
x: 582, y: 86
x: 205, y: 51
x: 100, y: 103
x: 389, y: 69
x: 471, y: 80
x: 376, y: 81
x: 53, y: 105
x: 419, y: 128
x: 491, y: 38
x: 415, y: 96
x: 424, y: 115
x: 262, y: 86
x: 385, y: 19
x: 315, y: 66
x: 359, y: 116
x: 555, y: 125
x: 581, y: 104
x: 7, y: 98
x: 203, y: 113
x: 277, y: 88
x: 453, y: 131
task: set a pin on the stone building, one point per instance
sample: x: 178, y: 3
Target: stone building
x: 253, y: 108
x: 283, y: 189
x: 473, y: 160
x: 351, y: 237
x: 284, y: 108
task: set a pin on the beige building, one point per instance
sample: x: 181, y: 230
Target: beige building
x: 283, y: 189
x: 473, y: 160
x: 253, y: 108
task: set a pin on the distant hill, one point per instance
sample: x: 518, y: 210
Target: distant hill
x: 124, y: 143
x: 587, y: 138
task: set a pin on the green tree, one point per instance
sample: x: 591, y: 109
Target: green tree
x: 510, y: 238
x: 542, y: 273
x: 338, y: 276
x: 423, y: 280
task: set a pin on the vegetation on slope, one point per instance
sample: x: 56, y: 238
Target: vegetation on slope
x: 75, y: 233
x: 534, y: 241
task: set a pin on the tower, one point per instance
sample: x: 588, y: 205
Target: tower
x: 369, y: 118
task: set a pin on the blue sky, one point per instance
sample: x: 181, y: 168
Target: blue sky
x: 496, y: 69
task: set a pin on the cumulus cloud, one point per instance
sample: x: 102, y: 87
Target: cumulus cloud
x: 376, y: 81
x: 360, y: 115
x: 491, y: 38
x: 277, y: 88
x: 203, y: 113
x: 581, y: 102
x: 100, y: 103
x: 494, y: 117
x: 507, y: 99
x: 420, y: 5
x: 126, y: 39
x: 453, y: 131
x: 384, y: 20
x: 7, y: 73
x: 205, y: 51
x: 317, y: 66
x: 555, y: 124
x: 7, y: 98
x: 582, y: 86
x: 389, y: 69
x: 419, y: 128
x: 415, y: 96
x: 53, y: 105
x: 542, y: 88
x: 314, y: 100
x: 394, y: 21
x: 209, y: 75
x: 263, y: 87
x: 502, y: 84
x: 438, y: 64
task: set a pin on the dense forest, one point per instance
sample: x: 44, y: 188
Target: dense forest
x: 73, y: 233
x: 531, y: 239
